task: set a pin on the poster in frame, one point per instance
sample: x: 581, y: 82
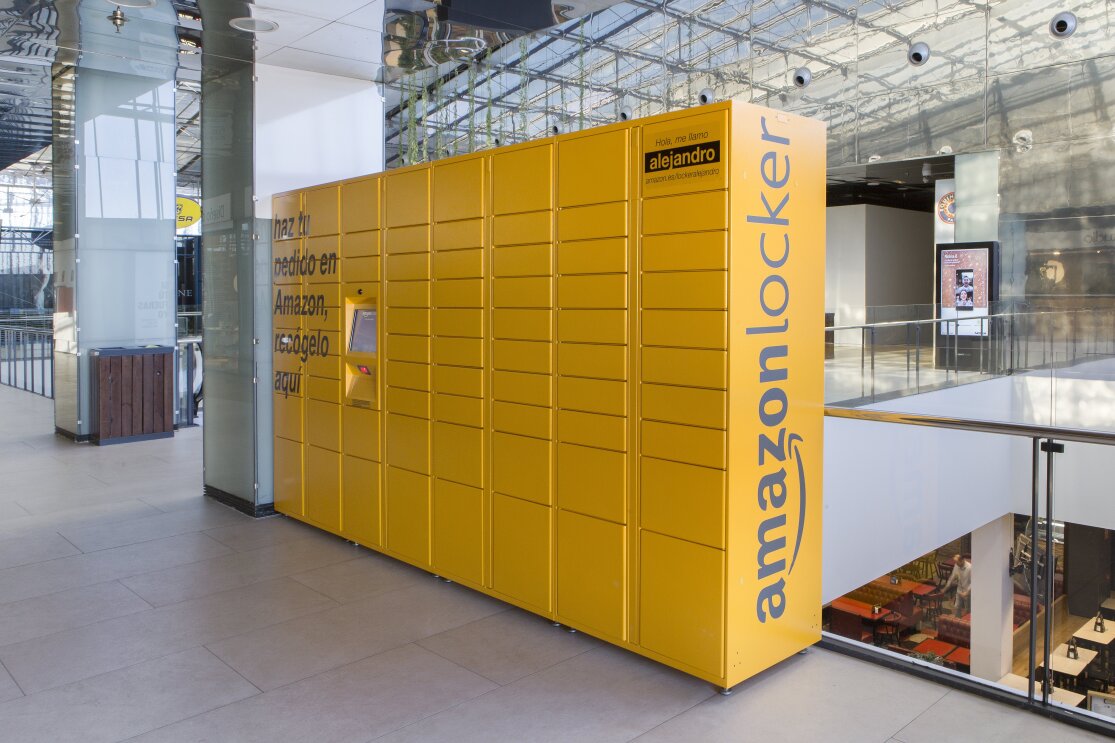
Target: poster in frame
x: 967, y: 284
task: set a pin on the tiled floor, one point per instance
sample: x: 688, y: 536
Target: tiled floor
x: 131, y: 608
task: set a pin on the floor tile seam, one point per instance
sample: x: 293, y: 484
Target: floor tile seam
x: 509, y: 683
x: 202, y: 644
x: 277, y: 576
x: 418, y: 643
x: 130, y: 590
x: 345, y: 665
x: 444, y: 710
x: 506, y: 608
x: 143, y: 541
x: 55, y: 593
x: 167, y: 567
x: 374, y: 594
x: 150, y: 607
x: 106, y: 549
x: 712, y: 694
x: 248, y: 584
x: 14, y: 681
x: 944, y: 693
x: 224, y: 663
x: 154, y: 608
x: 152, y: 539
x: 258, y: 628
x: 172, y: 723
x: 86, y: 679
x: 58, y: 514
x: 242, y: 551
x: 65, y: 539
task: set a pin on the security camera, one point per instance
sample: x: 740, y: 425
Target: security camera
x: 625, y: 113
x: 555, y: 129
x: 918, y: 54
x: 1063, y: 25
x: 802, y: 77
x: 706, y: 96
x: 497, y: 141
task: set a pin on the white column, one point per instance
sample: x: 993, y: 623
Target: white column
x: 992, y: 599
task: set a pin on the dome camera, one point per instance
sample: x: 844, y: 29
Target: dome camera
x: 625, y: 113
x: 918, y: 54
x: 802, y: 77
x: 555, y: 129
x: 1063, y: 25
x: 706, y: 96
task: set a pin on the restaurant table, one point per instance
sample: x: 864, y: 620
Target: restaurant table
x: 1107, y: 608
x: 922, y: 589
x: 1090, y: 635
x: 861, y: 609
x: 1061, y: 663
x: 937, y: 647
x: 903, y: 585
x: 961, y: 656
x: 1057, y: 694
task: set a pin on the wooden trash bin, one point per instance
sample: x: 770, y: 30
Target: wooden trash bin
x: 133, y: 394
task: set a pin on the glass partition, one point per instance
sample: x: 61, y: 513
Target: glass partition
x: 978, y: 548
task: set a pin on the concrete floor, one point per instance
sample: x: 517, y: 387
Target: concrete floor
x: 132, y: 608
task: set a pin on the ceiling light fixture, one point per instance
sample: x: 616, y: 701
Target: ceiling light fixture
x: 254, y: 25
x: 117, y: 19
x: 133, y: 3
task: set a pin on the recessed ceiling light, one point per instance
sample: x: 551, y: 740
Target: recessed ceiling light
x: 253, y: 25
x: 133, y: 3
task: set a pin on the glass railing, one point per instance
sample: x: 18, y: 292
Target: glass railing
x: 889, y: 359
x: 975, y: 551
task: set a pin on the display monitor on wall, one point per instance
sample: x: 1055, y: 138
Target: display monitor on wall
x: 363, y: 336
x: 967, y: 284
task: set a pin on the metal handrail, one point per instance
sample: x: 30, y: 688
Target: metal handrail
x: 1027, y: 430
x: 933, y: 320
x: 1044, y: 439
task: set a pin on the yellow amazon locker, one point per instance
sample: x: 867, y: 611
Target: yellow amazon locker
x: 583, y: 375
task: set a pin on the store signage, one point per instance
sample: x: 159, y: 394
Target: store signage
x: 682, y: 157
x: 946, y: 208
x: 286, y: 228
x: 778, y: 448
x: 188, y: 213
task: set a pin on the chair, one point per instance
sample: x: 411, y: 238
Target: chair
x: 933, y: 606
x: 888, y: 630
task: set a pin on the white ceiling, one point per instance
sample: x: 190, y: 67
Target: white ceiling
x: 335, y: 37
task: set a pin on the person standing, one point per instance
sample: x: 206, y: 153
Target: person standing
x: 961, y: 578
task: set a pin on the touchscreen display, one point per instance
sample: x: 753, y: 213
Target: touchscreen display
x: 363, y: 338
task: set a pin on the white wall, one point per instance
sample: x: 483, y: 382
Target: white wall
x: 899, y: 257
x: 312, y: 128
x: 845, y: 245
x: 893, y: 492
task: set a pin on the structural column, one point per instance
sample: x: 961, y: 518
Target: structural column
x: 114, y: 218
x: 264, y: 130
x: 992, y: 599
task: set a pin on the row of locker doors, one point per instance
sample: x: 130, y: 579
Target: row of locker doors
x: 445, y: 527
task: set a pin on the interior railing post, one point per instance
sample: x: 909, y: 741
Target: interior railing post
x: 862, y: 352
x: 1035, y: 478
x: 917, y: 356
x: 872, y: 363
x: 1051, y: 448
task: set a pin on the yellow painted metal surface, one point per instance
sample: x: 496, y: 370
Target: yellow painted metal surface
x: 582, y: 374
